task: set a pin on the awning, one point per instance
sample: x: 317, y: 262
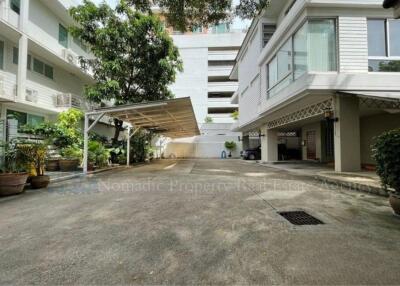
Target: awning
x: 173, y: 118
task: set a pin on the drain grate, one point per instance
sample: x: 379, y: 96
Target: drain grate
x: 300, y: 218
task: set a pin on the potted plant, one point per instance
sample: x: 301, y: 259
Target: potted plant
x: 36, y: 154
x: 71, y: 157
x: 230, y: 146
x: 386, y: 152
x: 13, y: 177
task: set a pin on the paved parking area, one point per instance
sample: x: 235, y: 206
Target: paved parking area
x: 196, y: 222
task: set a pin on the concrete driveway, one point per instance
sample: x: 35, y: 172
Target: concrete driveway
x: 196, y: 222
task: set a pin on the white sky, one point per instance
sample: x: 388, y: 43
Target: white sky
x: 237, y: 23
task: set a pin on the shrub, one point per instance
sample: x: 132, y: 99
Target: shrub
x: 386, y: 152
x: 235, y: 115
x: 72, y: 153
x: 98, y: 154
x: 230, y: 145
x: 208, y: 119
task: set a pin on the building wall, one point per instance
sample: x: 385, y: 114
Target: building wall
x: 373, y: 126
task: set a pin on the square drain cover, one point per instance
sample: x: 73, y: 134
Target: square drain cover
x: 300, y: 218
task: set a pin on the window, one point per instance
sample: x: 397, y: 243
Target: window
x: 15, y: 5
x: 221, y: 28
x: 1, y: 55
x: 383, y: 45
x: 22, y: 117
x: 300, y: 52
x: 42, y: 68
x: 198, y: 29
x: 34, y: 120
x: 29, y: 63
x: 38, y: 66
x: 15, y: 55
x: 63, y: 36
x: 25, y: 118
x: 311, y: 48
x: 48, y: 71
x: 80, y: 44
x: 268, y: 31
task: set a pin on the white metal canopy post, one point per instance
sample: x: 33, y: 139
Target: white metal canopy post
x: 87, y: 128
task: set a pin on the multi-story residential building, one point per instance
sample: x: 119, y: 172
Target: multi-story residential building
x: 318, y: 79
x: 39, y: 71
x: 208, y: 57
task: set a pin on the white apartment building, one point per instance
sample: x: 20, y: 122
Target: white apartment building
x: 208, y: 58
x: 39, y: 71
x: 319, y: 79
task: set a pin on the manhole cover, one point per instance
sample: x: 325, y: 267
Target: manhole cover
x: 300, y: 218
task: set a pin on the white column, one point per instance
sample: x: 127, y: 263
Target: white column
x: 269, y: 145
x: 22, y: 50
x: 22, y: 67
x: 347, y: 134
x: 128, y: 147
x: 85, y: 144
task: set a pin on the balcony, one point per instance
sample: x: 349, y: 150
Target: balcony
x: 222, y: 55
x: 226, y: 86
x: 221, y: 117
x: 221, y: 102
x: 7, y: 83
x: 69, y: 100
x: 8, y: 15
x: 219, y: 71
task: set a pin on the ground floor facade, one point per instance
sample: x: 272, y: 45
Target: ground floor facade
x: 337, y: 129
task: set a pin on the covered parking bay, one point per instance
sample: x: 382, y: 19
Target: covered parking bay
x: 173, y: 118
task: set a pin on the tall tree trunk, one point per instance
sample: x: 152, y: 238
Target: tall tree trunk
x: 118, y: 128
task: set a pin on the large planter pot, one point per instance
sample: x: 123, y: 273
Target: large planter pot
x: 12, y: 184
x: 394, y: 201
x: 40, y: 182
x: 69, y: 165
x: 53, y: 165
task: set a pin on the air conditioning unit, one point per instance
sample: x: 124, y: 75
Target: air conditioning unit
x: 67, y: 100
x: 63, y: 100
x: 70, y: 57
x: 31, y: 95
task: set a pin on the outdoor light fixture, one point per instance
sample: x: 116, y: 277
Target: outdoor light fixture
x: 329, y: 115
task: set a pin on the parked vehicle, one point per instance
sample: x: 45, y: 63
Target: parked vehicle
x: 252, y: 154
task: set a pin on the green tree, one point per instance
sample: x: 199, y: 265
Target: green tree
x: 135, y: 58
x: 186, y: 14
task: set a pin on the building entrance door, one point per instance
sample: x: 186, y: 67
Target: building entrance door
x: 311, y: 145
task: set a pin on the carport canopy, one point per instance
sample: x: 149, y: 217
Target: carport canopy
x: 172, y: 118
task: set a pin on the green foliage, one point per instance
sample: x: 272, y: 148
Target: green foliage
x: 35, y: 153
x: 208, y: 119
x: 235, y: 115
x: 135, y: 58
x: 386, y: 152
x: 98, y: 154
x: 72, y: 153
x: 230, y: 145
x: 14, y: 159
x: 65, y: 132
x: 185, y: 15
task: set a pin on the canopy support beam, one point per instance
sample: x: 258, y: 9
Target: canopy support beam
x: 86, y: 131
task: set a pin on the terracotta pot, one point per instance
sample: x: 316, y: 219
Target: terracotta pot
x: 40, y: 182
x: 12, y: 184
x: 91, y: 167
x: 394, y: 201
x: 69, y: 165
x: 53, y: 165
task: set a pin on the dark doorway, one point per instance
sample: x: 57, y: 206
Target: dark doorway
x: 311, y: 145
